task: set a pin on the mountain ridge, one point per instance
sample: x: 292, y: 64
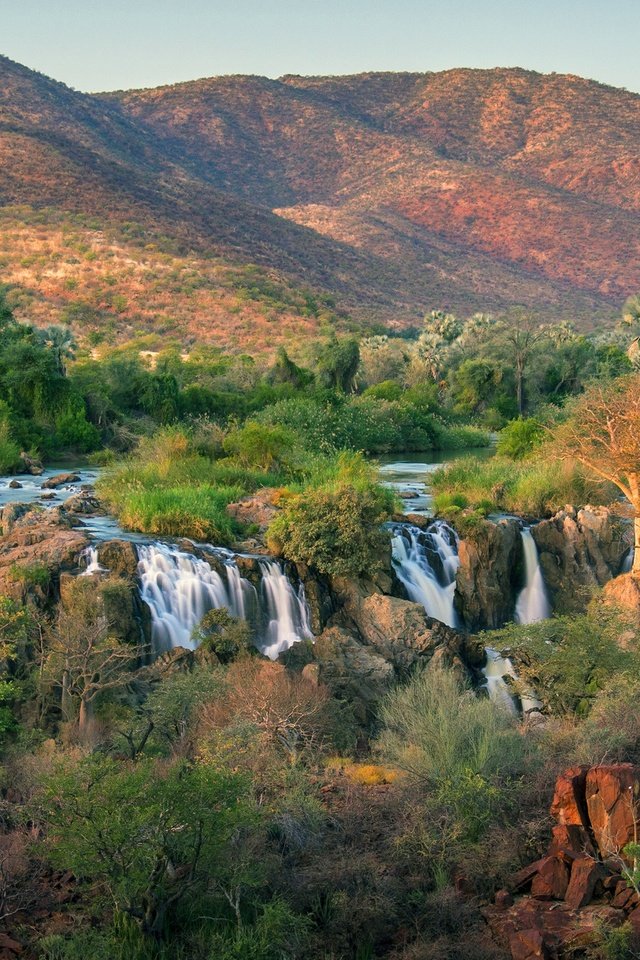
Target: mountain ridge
x: 389, y: 193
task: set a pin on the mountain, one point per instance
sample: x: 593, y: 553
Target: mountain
x: 248, y: 211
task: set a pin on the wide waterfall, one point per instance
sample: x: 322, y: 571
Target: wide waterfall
x: 426, y: 562
x: 179, y: 588
x: 532, y: 604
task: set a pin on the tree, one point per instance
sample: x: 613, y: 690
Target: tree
x: 603, y: 434
x: 62, y: 344
x: 148, y: 837
x: 338, y: 362
x: 522, y: 336
x: 82, y: 659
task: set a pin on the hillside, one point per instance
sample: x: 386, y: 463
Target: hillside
x: 236, y: 208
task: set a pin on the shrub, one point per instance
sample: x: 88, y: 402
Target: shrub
x: 336, y: 531
x: 257, y: 445
x: 9, y: 451
x: 520, y: 438
x: 225, y: 636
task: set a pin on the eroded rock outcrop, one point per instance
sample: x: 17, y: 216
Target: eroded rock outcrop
x: 36, y: 547
x: 490, y: 574
x: 554, y: 906
x: 579, y: 551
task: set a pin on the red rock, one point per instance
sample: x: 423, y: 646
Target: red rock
x: 610, y: 796
x: 625, y: 897
x: 529, y: 945
x: 585, y: 873
x: 503, y: 900
x: 518, y: 881
x: 572, y: 840
x: 551, y: 881
x: 7, y: 943
x: 568, y: 804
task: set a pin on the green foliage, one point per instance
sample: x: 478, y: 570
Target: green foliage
x: 35, y: 574
x: 536, y: 487
x: 520, y: 438
x: 9, y: 450
x: 257, y: 445
x: 614, y: 943
x: 334, y: 526
x: 611, y: 729
x: 569, y: 660
x: 458, y: 747
x: 224, y: 635
x: 145, y: 840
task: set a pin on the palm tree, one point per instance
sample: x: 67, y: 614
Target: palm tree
x: 62, y: 343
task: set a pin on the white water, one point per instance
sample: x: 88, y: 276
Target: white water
x: 500, y: 692
x: 90, y: 555
x: 287, y: 611
x: 433, y: 588
x: 532, y: 604
x: 179, y: 588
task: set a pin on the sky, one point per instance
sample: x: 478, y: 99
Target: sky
x: 96, y: 45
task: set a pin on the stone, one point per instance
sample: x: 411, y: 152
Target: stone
x: 610, y: 791
x: 258, y: 510
x: 15, y: 485
x: 624, y: 591
x: 48, y: 496
x: 568, y: 805
x: 352, y: 671
x: 522, y: 878
x: 60, y: 480
x: 503, y: 900
x: 572, y: 841
x: 119, y: 557
x: 585, y: 874
x: 551, y: 880
x: 529, y: 945
x: 579, y: 551
x: 31, y: 465
x: 35, y: 538
x: 490, y: 573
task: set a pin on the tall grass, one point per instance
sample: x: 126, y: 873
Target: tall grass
x: 534, y: 487
x: 169, y: 489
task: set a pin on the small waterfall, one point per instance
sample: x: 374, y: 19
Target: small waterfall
x: 500, y: 692
x: 287, y: 611
x: 426, y: 562
x: 627, y: 563
x: 179, y: 588
x: 532, y: 604
x: 90, y: 556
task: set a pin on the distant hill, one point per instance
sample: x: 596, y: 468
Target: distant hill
x: 247, y: 211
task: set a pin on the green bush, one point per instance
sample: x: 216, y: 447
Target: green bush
x: 259, y: 446
x: 461, y: 749
x: 9, y: 451
x: 520, y: 438
x: 334, y: 524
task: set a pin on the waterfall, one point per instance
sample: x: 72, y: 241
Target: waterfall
x: 179, y: 588
x: 532, y: 603
x: 500, y: 692
x: 287, y: 611
x: 90, y: 556
x: 426, y: 562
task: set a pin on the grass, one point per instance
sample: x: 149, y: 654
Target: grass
x: 168, y: 489
x: 531, y: 488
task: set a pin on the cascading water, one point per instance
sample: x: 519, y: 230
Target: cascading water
x: 179, y: 588
x: 90, y: 556
x: 426, y: 562
x: 532, y: 604
x: 500, y: 691
x: 287, y: 611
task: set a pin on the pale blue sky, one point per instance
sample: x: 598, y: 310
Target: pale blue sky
x: 110, y: 44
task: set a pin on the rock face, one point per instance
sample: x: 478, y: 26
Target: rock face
x: 579, y: 551
x: 578, y: 884
x: 259, y: 509
x: 36, y: 540
x: 624, y: 591
x: 490, y: 574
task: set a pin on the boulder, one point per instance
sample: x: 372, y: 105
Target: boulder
x: 119, y: 557
x: 258, y: 509
x: 35, y: 539
x: 611, y: 796
x: 624, y: 592
x: 15, y: 485
x: 60, y: 480
x: 29, y: 464
x: 579, y: 551
x: 400, y: 630
x: 490, y: 574
x: 568, y: 805
x: 353, y: 672
x: 551, y: 880
x: 585, y: 873
x: 83, y: 502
